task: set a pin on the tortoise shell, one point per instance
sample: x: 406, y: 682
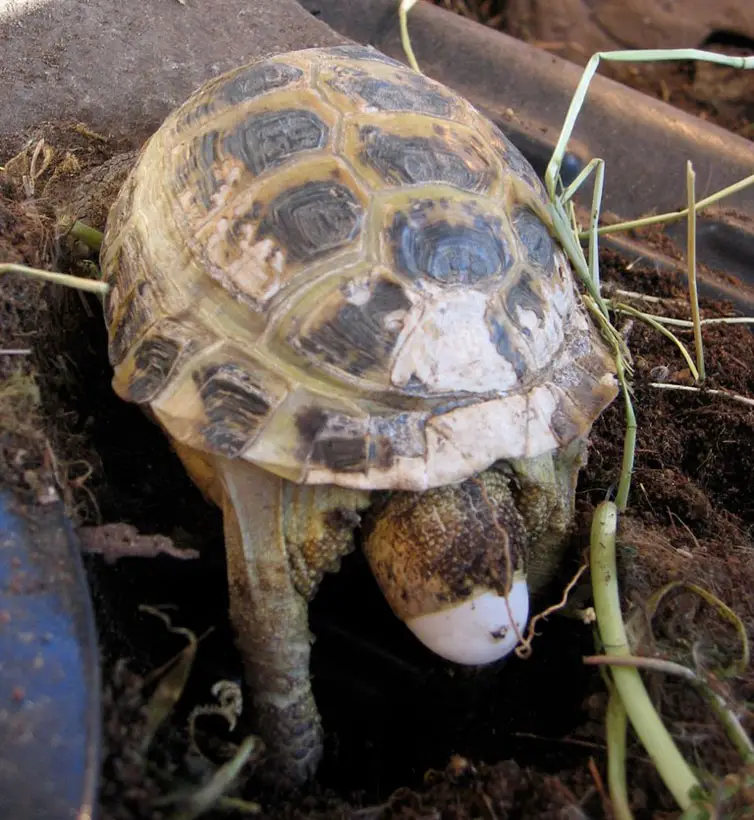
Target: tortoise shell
x: 338, y: 269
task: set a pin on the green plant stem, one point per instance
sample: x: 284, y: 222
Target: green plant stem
x: 91, y: 237
x: 647, y: 724
x: 629, y: 440
x: 616, y: 724
x: 733, y: 728
x: 403, y: 10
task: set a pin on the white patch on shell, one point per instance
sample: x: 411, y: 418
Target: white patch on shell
x: 478, y: 630
x: 546, y: 340
x: 394, y: 321
x: 255, y: 269
x: 562, y: 289
x: 511, y: 427
x: 448, y: 347
x: 538, y: 433
x: 358, y: 292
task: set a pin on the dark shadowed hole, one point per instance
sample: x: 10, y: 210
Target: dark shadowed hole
x: 733, y: 39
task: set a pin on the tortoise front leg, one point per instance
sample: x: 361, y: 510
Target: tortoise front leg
x: 280, y: 539
x: 270, y: 619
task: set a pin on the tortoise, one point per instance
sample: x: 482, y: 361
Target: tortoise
x: 336, y: 287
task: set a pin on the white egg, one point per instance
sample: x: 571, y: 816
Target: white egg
x: 478, y: 630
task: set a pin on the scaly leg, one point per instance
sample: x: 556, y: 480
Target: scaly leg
x: 280, y: 539
x: 270, y: 619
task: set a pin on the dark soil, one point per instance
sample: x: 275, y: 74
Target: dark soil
x: 407, y: 736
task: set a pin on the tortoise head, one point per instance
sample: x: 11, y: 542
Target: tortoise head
x: 458, y: 563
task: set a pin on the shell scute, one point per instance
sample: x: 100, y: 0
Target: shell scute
x: 262, y: 238
x: 168, y: 345
x: 235, y: 404
x: 238, y: 86
x: 535, y: 237
x: 137, y: 313
x: 355, y: 328
x: 354, y: 87
x: 338, y: 269
x: 426, y: 241
x: 313, y: 219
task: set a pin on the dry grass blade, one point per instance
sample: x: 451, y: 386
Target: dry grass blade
x: 691, y: 264
x: 78, y: 282
x: 709, y: 392
x: 211, y: 795
x: 738, y: 668
x: 674, y: 216
x: 652, y: 322
x: 173, y: 681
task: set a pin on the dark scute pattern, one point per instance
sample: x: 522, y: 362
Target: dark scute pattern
x: 310, y: 423
x: 536, y: 239
x: 512, y: 156
x: 399, y: 434
x: 500, y: 336
x: 154, y: 359
x: 340, y: 454
x: 522, y: 295
x: 135, y: 319
x: 252, y: 81
x: 362, y: 53
x: 266, y: 140
x: 411, y: 160
x: 201, y: 157
x: 235, y: 405
x: 246, y: 83
x: 451, y: 254
x: 563, y: 424
x: 356, y: 338
x: 194, y: 113
x: 127, y: 264
x: 325, y: 440
x: 313, y: 220
x: 415, y: 95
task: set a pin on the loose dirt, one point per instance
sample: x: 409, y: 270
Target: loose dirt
x: 407, y: 736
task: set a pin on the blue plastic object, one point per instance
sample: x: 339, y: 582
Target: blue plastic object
x: 50, y: 720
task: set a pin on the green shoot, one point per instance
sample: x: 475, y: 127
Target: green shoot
x: 647, y: 724
x: 403, y: 10
x: 732, y: 725
x: 616, y: 725
x: 91, y: 237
